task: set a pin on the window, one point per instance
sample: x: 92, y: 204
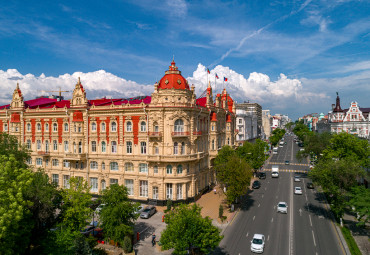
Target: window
x: 179, y: 125
x: 46, y: 127
x: 113, y: 181
x: 129, y: 167
x: 143, y: 126
x: 213, y: 127
x: 28, y: 127
x: 113, y: 166
x: 114, y: 147
x: 228, y: 140
x: 79, y: 129
x: 102, y: 166
x: 55, y: 127
x: 240, y: 121
x: 179, y: 169
x: 155, y: 192
x: 55, y: 162
x: 46, y: 162
x: 28, y: 144
x: 94, y: 184
x: 29, y: 161
x: 103, y: 127
x: 143, y: 147
x: 93, y: 146
x: 143, y: 168
x: 38, y: 127
x: 103, y: 147
x: 75, y: 128
x: 93, y: 126
x: 38, y: 161
x: 55, y: 145
x: 155, y: 169
x: 55, y: 179
x: 93, y: 165
x: 129, y: 126
x: 74, y: 147
x: 156, y: 129
x: 213, y: 144
x: 143, y: 188
x: 66, y: 181
x: 156, y: 150
x: 179, y: 191
x: 66, y: 163
x: 65, y: 127
x: 182, y: 148
x: 169, y: 169
x: 175, y: 148
x: 130, y: 187
x: 79, y: 147
x: 66, y: 146
x: 5, y: 127
x: 103, y: 185
x: 114, y: 126
x: 38, y: 143
x: 82, y: 165
x: 129, y: 147
x: 168, y: 190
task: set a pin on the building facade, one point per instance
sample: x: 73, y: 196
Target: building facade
x: 266, y: 124
x: 354, y: 120
x: 160, y: 146
x: 246, y: 126
x: 254, y: 110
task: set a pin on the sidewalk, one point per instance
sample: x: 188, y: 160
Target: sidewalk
x: 361, y: 235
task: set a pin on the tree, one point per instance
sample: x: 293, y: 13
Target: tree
x: 301, y: 130
x: 118, y: 216
x: 253, y: 153
x: 315, y: 144
x: 9, y: 145
x: 277, y: 134
x: 360, y: 200
x: 187, y: 229
x: 15, y: 226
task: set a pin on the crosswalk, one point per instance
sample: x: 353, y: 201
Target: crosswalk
x: 292, y: 164
x: 288, y: 170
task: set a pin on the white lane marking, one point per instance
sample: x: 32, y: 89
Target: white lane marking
x: 306, y: 197
x: 310, y: 219
x: 247, y: 234
x: 272, y: 219
x: 268, y: 237
x: 313, y: 236
x: 259, y: 205
x: 254, y: 217
x: 291, y: 252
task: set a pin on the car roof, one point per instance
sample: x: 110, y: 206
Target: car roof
x: 258, y: 236
x: 282, y: 202
x: 297, y: 187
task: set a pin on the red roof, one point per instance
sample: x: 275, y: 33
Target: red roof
x: 173, y: 79
x: 201, y: 101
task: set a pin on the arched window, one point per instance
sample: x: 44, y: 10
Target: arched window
x: 38, y: 127
x: 103, y: 127
x: 179, y: 169
x: 93, y: 126
x: 46, y: 127
x: 143, y: 126
x: 55, y: 145
x: 55, y: 127
x: 46, y: 146
x: 169, y: 169
x: 179, y: 125
x: 114, y: 127
x: 175, y: 148
x: 103, y: 185
x: 28, y: 127
x: 93, y: 165
x: 103, y: 147
x: 129, y: 126
x: 93, y: 146
x: 65, y: 127
x: 129, y: 167
x: 102, y: 166
x: 79, y: 147
x: 113, y: 166
x: 114, y: 147
x: 74, y: 148
x: 129, y: 147
x: 182, y: 148
x: 213, y: 144
x: 28, y: 144
x: 5, y: 127
x: 66, y: 146
x: 228, y: 140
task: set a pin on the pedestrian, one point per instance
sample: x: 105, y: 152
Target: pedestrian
x: 214, y: 190
x: 153, y: 239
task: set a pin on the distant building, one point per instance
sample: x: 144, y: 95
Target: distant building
x: 266, y: 124
x: 256, y: 110
x: 246, y: 126
x: 354, y: 120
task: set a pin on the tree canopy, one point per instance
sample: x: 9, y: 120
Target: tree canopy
x: 277, y: 134
x: 253, y: 153
x: 187, y: 229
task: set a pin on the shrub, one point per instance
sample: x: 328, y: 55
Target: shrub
x: 220, y: 211
x: 127, y: 245
x: 169, y: 204
x: 350, y: 242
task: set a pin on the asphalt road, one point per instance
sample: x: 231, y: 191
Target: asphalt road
x: 305, y: 229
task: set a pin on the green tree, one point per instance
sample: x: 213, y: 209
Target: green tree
x: 253, y: 153
x: 360, y: 200
x: 315, y: 144
x: 301, y: 130
x: 277, y: 134
x: 186, y: 229
x: 15, y: 226
x: 118, y: 216
x: 9, y: 146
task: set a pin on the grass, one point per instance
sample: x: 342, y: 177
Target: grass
x: 353, y: 248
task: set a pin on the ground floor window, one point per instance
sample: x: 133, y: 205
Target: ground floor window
x: 39, y: 161
x: 94, y: 184
x: 130, y: 187
x: 66, y: 181
x: 55, y: 179
x: 113, y: 181
x: 155, y: 192
x: 169, y: 190
x: 179, y: 191
x: 103, y: 185
x: 144, y: 188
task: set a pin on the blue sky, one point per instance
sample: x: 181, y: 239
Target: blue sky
x: 289, y: 56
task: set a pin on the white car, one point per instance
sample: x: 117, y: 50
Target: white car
x: 282, y: 207
x: 297, y: 179
x: 298, y: 190
x: 258, y: 243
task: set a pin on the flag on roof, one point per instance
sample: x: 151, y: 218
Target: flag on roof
x: 216, y: 76
x: 208, y: 71
x: 225, y: 79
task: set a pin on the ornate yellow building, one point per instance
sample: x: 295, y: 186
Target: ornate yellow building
x: 160, y: 147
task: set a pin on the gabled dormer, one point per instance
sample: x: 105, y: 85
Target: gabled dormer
x: 79, y: 96
x: 17, y: 100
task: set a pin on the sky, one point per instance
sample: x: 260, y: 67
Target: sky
x: 288, y: 56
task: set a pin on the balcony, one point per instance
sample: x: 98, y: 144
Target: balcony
x: 180, y: 134
x: 75, y: 156
x: 154, y: 134
x: 44, y: 153
x: 175, y: 158
x: 197, y: 133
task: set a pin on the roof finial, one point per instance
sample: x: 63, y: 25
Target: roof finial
x: 79, y: 81
x: 17, y: 86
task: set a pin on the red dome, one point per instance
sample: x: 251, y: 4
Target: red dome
x: 173, y: 79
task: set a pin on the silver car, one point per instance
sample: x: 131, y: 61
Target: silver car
x: 282, y: 207
x: 148, y: 212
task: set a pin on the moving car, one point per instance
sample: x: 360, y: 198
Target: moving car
x: 298, y: 190
x: 148, y: 212
x: 282, y: 207
x: 258, y: 243
x: 256, y: 185
x: 310, y: 185
x: 275, y: 171
x: 287, y: 162
x: 262, y: 175
x: 297, y: 178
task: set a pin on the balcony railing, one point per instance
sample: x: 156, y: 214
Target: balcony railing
x: 75, y: 156
x: 197, y: 133
x: 154, y: 134
x: 175, y: 158
x: 44, y: 153
x: 181, y: 134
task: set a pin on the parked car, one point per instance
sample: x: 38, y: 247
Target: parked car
x: 310, y: 185
x: 262, y: 175
x: 287, y: 162
x: 148, y: 212
x: 258, y: 243
x: 298, y: 190
x: 282, y: 207
x: 256, y: 185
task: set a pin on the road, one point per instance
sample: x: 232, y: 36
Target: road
x: 305, y: 229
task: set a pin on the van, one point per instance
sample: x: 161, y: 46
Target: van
x: 275, y: 171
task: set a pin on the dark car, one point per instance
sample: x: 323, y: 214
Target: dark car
x: 310, y: 185
x: 262, y: 175
x: 256, y: 185
x: 287, y: 162
x: 148, y: 212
